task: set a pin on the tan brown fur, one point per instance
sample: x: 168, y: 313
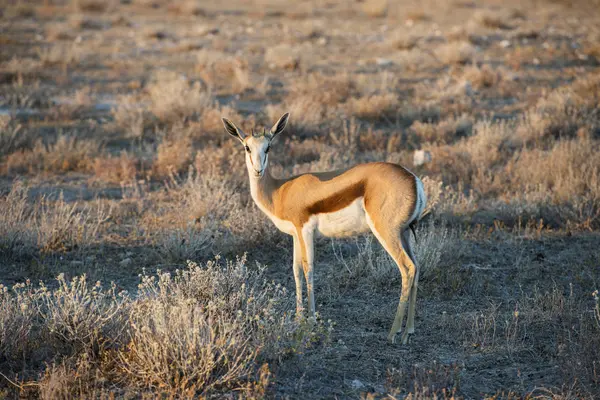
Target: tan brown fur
x: 296, y: 199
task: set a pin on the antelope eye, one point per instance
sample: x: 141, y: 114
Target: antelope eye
x: 267, y: 150
x: 248, y: 149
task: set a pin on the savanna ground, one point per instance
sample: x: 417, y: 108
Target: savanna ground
x: 115, y: 171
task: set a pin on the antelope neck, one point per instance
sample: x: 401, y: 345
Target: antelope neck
x: 262, y: 188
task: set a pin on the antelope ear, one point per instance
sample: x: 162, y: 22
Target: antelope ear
x: 279, y: 125
x: 233, y: 130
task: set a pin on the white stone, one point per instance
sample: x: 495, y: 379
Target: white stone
x: 421, y: 157
x: 126, y: 262
x: 356, y: 384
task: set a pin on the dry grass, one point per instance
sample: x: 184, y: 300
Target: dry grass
x: 13, y: 136
x: 173, y: 98
x: 443, y: 132
x: 311, y: 114
x: 63, y: 55
x: 216, y: 323
x: 116, y: 169
x: 500, y: 101
x: 374, y: 106
x: 68, y: 153
x: 375, y: 8
x: 223, y: 72
x: 47, y: 226
x: 173, y: 156
x: 456, y: 53
x: 94, y: 6
x: 283, y: 56
x: 129, y: 115
x: 492, y: 20
x: 482, y: 76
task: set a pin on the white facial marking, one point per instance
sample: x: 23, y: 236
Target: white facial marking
x: 257, y: 157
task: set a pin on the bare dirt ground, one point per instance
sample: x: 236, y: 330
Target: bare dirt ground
x: 114, y: 164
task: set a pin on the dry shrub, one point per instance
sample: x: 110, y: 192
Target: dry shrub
x: 474, y: 160
x: 552, y: 321
x: 74, y: 377
x: 180, y: 245
x: 46, y: 226
x: 399, y: 40
x: 71, y: 107
x: 375, y: 8
x: 489, y: 145
x: 211, y: 122
x: 374, y: 106
x: 456, y: 53
x: 13, y: 136
x: 115, y: 169
x: 173, y: 156
x: 434, y: 243
x: 384, y: 82
x: 570, y: 169
x: 173, y: 98
x: 369, y: 264
x: 202, y: 331
x: 60, y: 54
x: 59, y: 32
x: 81, y: 22
x: 560, y: 114
x: 21, y: 10
x: 307, y: 114
x: 225, y: 160
x: 492, y: 20
x: 187, y: 7
x: 222, y: 71
x: 224, y: 318
x: 16, y: 238
x: 443, y: 132
x: 16, y: 322
x: 68, y: 153
x: 482, y: 76
x: 62, y: 227
x: 416, y: 15
x: 299, y: 152
x: 431, y: 381
x: 348, y: 136
x: 129, y: 115
x: 283, y: 56
x: 224, y: 209
x: 78, y: 316
x: 325, y: 89
x: 19, y: 68
x: 98, y: 6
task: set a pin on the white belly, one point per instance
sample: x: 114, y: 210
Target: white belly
x: 348, y: 221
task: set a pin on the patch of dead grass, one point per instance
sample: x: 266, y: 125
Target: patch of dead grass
x: 283, y: 56
x: 115, y: 169
x: 68, y: 153
x: 374, y: 106
x: 173, y: 98
x: 375, y: 8
x: 456, y: 53
x: 173, y: 156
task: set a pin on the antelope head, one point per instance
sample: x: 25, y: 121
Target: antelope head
x: 257, y: 145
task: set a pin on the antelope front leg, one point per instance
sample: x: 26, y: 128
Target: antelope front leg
x: 298, y: 276
x: 307, y: 246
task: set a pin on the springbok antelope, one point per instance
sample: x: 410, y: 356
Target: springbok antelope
x: 383, y: 197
